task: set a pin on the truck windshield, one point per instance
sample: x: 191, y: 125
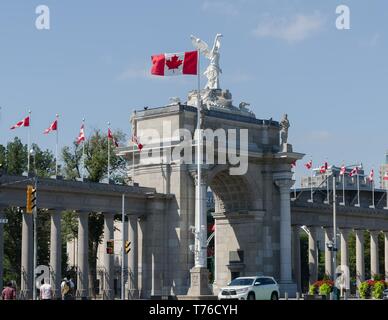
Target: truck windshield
x: 241, y: 282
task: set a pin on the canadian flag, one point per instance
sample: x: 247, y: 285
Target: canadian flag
x: 343, y: 170
x: 110, y: 136
x: 323, y: 168
x: 136, y: 140
x: 293, y: 164
x: 81, y: 136
x: 23, y: 123
x: 353, y: 172
x: 309, y: 164
x: 53, y: 127
x: 371, y: 175
x: 174, y: 64
x: 385, y: 177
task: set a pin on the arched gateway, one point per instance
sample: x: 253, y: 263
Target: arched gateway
x: 252, y: 207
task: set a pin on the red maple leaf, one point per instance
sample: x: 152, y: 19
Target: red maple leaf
x: 174, y: 62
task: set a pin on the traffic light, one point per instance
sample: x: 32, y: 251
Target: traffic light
x: 127, y: 246
x: 110, y: 247
x: 31, y: 199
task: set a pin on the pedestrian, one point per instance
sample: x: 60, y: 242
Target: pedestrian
x: 66, y: 289
x: 9, y: 292
x: 46, y: 292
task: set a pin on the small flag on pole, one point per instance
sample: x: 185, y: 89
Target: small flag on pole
x: 353, y: 172
x: 371, y: 176
x: 23, y: 123
x: 293, y: 164
x: 53, y: 127
x: 81, y: 136
x: 309, y: 165
x: 323, y: 168
x: 111, y: 137
x: 385, y: 177
x: 136, y: 141
x: 343, y: 170
x: 174, y: 64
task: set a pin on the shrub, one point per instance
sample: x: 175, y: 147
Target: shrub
x: 312, y: 289
x: 364, y: 290
x: 325, y: 289
x: 378, y: 288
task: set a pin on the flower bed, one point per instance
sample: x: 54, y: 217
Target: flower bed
x: 372, y: 289
x: 321, y: 287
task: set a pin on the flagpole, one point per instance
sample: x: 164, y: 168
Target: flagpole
x: 358, y: 189
x: 83, y: 151
x: 199, y: 219
x: 343, y: 188
x: 108, y: 152
x: 373, y: 192
x: 28, y: 143
x: 56, y: 146
x: 327, y: 183
x: 133, y: 158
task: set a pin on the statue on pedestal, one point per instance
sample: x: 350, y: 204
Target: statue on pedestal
x: 284, y: 126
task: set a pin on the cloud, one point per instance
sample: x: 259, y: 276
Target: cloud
x: 220, y: 7
x: 294, y: 29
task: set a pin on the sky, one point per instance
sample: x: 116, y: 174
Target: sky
x: 281, y: 56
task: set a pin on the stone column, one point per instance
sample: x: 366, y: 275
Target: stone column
x: 360, y: 265
x: 133, y: 289
x: 328, y: 254
x: 27, y: 257
x: 83, y: 257
x: 313, y: 255
x: 284, y: 182
x: 108, y: 258
x: 296, y: 257
x: 344, y: 247
x: 386, y: 255
x: 56, y: 253
x: 2, y: 216
x: 374, y: 253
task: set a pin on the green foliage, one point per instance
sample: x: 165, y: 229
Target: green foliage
x: 14, y: 157
x: 325, y: 289
x: 377, y: 291
x: 312, y: 289
x: 364, y: 290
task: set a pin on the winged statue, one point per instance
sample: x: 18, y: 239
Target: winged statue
x: 213, y: 71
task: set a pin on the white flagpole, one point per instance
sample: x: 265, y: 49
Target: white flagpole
x: 108, y: 152
x: 28, y: 143
x: 358, y: 188
x: 311, y: 182
x: 83, y: 151
x: 56, y: 146
x: 343, y: 188
x: 327, y: 183
x: 133, y: 158
x: 373, y: 192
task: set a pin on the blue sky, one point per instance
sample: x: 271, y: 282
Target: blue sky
x: 282, y: 56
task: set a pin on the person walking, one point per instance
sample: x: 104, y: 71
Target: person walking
x: 9, y: 292
x: 46, y: 291
x: 66, y: 289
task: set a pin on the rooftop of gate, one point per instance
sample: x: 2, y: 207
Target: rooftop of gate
x: 157, y: 111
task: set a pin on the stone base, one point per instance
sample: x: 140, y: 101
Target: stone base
x: 199, y: 284
x: 286, y: 147
x: 289, y: 287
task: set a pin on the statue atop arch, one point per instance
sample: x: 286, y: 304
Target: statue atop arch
x: 213, y: 71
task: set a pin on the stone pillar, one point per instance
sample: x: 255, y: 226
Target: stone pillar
x: 296, y: 257
x: 108, y: 258
x: 374, y: 253
x: 133, y: 289
x: 199, y: 274
x: 360, y: 265
x: 27, y: 257
x: 328, y: 254
x: 56, y: 253
x: 313, y: 255
x: 83, y: 256
x: 386, y: 255
x: 344, y: 247
x: 284, y: 182
x: 2, y: 216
